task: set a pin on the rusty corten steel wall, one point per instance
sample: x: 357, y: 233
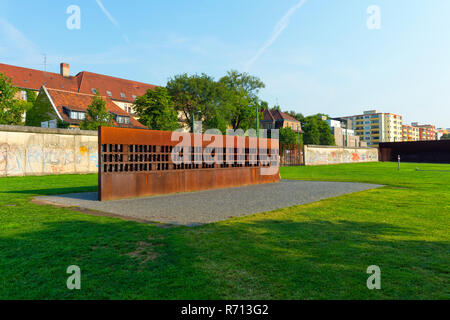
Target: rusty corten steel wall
x: 136, y: 163
x: 416, y: 151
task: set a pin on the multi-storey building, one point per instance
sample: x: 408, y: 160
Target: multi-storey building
x: 122, y: 92
x: 410, y: 133
x: 441, y: 132
x: 343, y: 136
x: 374, y: 127
x: 427, y: 132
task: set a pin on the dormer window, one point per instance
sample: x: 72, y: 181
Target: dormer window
x: 134, y: 97
x: 123, y: 95
x: 109, y: 93
x: 122, y: 119
x: 77, y: 115
x: 94, y: 91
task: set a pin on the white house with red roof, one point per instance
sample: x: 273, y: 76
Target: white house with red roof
x: 71, y: 107
x: 121, y: 92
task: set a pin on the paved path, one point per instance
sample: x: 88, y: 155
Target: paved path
x: 212, y: 205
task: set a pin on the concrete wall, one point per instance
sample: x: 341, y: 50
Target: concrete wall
x: 40, y: 151
x: 323, y: 155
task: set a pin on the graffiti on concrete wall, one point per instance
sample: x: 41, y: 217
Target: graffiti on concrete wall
x: 318, y: 155
x: 36, y: 154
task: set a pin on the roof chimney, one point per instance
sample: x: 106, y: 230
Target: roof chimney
x: 65, y: 70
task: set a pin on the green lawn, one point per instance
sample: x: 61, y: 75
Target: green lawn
x: 315, y: 251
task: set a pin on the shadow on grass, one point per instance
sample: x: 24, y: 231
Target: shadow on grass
x: 266, y: 259
x: 54, y: 191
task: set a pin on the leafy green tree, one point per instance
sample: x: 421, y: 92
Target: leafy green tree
x: 218, y: 121
x: 97, y: 115
x: 240, y: 98
x: 156, y: 110
x: 317, y: 131
x: 11, y: 109
x: 297, y: 116
x: 445, y: 136
x: 311, y: 131
x: 276, y: 108
x: 288, y: 137
x: 31, y: 96
x: 195, y: 96
x: 62, y: 124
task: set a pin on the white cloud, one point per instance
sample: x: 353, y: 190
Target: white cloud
x: 111, y: 18
x: 279, y: 28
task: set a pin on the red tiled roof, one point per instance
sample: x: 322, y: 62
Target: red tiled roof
x: 80, y: 102
x: 115, y: 86
x: 83, y: 82
x: 35, y: 79
x: 270, y: 115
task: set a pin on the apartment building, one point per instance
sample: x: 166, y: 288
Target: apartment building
x: 441, y: 132
x: 343, y: 136
x: 427, y: 132
x: 410, y: 133
x: 374, y: 127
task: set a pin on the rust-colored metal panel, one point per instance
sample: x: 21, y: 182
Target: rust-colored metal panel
x: 437, y: 151
x: 137, y: 163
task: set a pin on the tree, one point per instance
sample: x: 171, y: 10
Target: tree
x: 31, y: 96
x: 156, y: 110
x: 311, y: 131
x: 445, y: 136
x: 317, y: 131
x: 297, y: 116
x: 97, y: 115
x: 240, y: 98
x: 195, y: 96
x: 288, y: 138
x: 11, y: 109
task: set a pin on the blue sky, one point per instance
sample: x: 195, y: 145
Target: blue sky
x: 320, y: 58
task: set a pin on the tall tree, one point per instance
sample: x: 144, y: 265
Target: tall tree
x: 97, y: 115
x: 195, y: 96
x: 288, y: 137
x: 11, y: 109
x: 156, y: 110
x: 311, y: 131
x: 317, y: 131
x: 240, y: 98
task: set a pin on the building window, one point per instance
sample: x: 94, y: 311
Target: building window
x: 134, y: 97
x: 122, y: 95
x: 123, y: 120
x: 24, y: 96
x: 109, y: 93
x: 77, y: 115
x: 94, y: 91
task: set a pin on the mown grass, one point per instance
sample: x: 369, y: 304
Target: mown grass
x: 315, y: 251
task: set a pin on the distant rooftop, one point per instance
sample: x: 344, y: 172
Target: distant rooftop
x: 84, y: 82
